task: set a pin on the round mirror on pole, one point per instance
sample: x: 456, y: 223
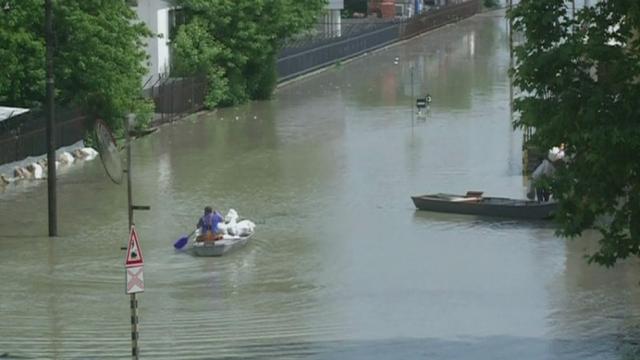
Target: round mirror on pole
x: 108, y: 151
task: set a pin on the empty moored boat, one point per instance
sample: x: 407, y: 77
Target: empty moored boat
x: 473, y: 203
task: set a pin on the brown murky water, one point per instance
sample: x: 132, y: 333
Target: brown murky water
x: 342, y: 266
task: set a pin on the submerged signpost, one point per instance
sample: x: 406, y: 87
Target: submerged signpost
x: 133, y: 265
x: 134, y: 262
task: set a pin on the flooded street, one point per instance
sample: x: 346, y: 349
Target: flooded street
x: 342, y: 266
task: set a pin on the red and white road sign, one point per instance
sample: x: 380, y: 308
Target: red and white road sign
x: 135, y: 280
x: 134, y: 252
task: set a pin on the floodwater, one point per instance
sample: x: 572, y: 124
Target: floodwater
x: 341, y: 266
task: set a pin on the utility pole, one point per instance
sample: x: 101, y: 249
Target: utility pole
x: 49, y: 111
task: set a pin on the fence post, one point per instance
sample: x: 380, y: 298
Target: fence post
x: 193, y: 94
x: 171, y: 91
x: 17, y: 143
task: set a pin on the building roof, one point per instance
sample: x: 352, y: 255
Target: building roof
x: 8, y: 112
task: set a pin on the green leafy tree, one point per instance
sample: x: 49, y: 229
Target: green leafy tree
x: 580, y: 83
x: 235, y: 43
x: 98, y: 57
x: 22, y: 54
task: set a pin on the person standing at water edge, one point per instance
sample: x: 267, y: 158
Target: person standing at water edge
x: 208, y: 224
x: 546, y: 169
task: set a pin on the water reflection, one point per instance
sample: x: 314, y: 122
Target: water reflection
x: 471, y: 221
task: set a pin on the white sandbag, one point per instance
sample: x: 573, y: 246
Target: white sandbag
x: 36, y: 170
x: 65, y: 158
x: 245, y: 227
x: 89, y: 153
x: 232, y: 216
x: 232, y: 228
x: 6, y: 180
x: 78, y: 154
x: 21, y: 173
x: 223, y: 227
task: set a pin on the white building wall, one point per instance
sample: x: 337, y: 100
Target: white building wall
x: 163, y: 42
x: 335, y: 5
x: 332, y: 19
x: 337, y: 22
x: 155, y: 13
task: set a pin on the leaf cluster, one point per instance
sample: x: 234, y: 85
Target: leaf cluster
x: 580, y: 83
x: 98, y: 57
x: 235, y: 43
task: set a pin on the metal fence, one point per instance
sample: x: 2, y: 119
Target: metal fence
x: 174, y: 97
x: 25, y: 135
x: 307, y: 53
x: 442, y: 16
x: 294, y: 61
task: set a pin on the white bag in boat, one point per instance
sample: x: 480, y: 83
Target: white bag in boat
x: 232, y: 228
x: 232, y: 216
x: 245, y: 227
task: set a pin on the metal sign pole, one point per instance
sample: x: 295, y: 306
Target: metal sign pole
x: 133, y: 302
x: 134, y: 327
x: 129, y: 195
x: 134, y: 261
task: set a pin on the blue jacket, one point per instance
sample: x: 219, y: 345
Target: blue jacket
x: 209, y: 222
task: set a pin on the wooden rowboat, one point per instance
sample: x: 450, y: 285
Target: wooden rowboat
x: 473, y: 203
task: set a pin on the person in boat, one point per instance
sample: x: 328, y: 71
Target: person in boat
x: 208, y: 225
x: 545, y: 169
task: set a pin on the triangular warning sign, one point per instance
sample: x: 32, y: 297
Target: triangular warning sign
x: 134, y: 253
